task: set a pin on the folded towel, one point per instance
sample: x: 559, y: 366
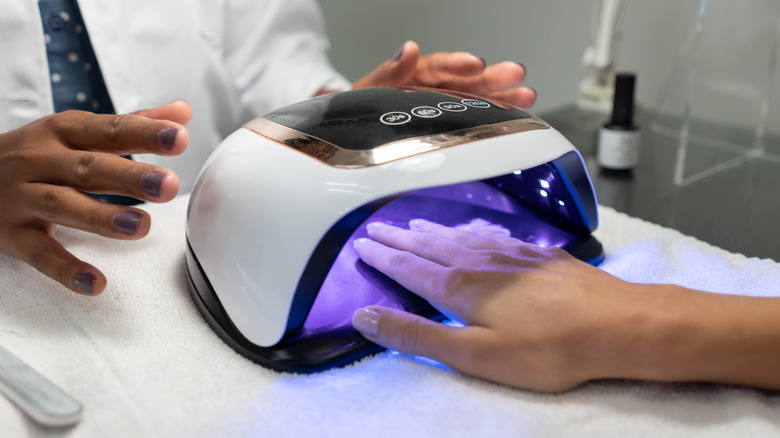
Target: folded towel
x: 145, y: 364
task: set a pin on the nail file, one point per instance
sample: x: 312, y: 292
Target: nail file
x: 36, y: 396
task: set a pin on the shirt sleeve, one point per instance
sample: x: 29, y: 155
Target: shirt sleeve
x: 276, y: 53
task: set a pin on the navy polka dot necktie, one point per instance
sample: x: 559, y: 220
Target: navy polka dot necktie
x: 76, y: 80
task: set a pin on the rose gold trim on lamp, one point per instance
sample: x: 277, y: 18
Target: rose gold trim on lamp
x: 335, y: 156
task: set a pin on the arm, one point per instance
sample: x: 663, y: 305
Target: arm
x: 536, y: 318
x: 45, y: 165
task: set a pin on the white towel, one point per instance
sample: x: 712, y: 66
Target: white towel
x: 145, y: 364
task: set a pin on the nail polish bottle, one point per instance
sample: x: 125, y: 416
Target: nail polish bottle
x: 619, y: 138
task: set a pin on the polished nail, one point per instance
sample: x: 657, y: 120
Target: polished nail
x: 371, y: 226
x: 484, y: 63
x: 84, y: 282
x: 127, y: 221
x: 366, y: 321
x: 359, y: 242
x: 522, y: 65
x: 151, y: 182
x: 167, y: 137
x: 417, y: 223
x: 399, y: 54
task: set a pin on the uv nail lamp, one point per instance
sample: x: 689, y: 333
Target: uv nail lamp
x: 275, y: 209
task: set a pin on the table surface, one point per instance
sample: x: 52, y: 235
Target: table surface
x: 735, y: 208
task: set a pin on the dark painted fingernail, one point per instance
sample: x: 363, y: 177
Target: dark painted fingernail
x: 151, y: 182
x: 127, y: 221
x: 484, y: 63
x: 167, y: 137
x: 84, y: 282
x: 534, y: 90
x: 399, y: 54
x: 522, y: 65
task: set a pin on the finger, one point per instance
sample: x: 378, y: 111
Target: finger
x: 475, y: 240
x: 106, y: 173
x: 71, y: 208
x: 416, y: 274
x: 494, y: 78
x: 120, y: 134
x: 398, y: 70
x: 178, y: 111
x: 444, y: 251
x: 415, y: 335
x: 444, y: 68
x: 523, y: 97
x: 514, y: 251
x: 452, y: 290
x: 429, y: 246
x: 48, y: 256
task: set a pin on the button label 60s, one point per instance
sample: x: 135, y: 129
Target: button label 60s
x: 426, y: 112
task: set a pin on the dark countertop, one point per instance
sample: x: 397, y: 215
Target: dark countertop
x: 737, y: 208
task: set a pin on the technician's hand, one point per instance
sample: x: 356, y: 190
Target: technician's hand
x: 458, y: 71
x: 536, y: 318
x: 44, y: 165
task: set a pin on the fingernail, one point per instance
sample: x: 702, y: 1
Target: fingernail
x: 534, y: 90
x: 484, y: 63
x: 127, y: 221
x: 167, y: 137
x: 399, y: 54
x: 417, y: 223
x: 84, y: 282
x: 366, y: 321
x: 371, y: 226
x: 522, y: 65
x: 359, y: 242
x: 151, y: 182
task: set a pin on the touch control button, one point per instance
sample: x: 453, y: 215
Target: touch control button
x: 426, y: 112
x: 474, y: 103
x: 452, y: 106
x: 395, y: 118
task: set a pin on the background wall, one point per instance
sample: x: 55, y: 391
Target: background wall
x: 549, y: 38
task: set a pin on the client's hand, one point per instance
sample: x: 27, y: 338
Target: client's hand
x: 46, y: 164
x: 537, y: 318
x: 458, y: 71
x: 529, y: 315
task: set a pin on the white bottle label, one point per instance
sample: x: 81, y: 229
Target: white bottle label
x: 618, y: 149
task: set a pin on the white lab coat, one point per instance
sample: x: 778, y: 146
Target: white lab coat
x: 231, y: 59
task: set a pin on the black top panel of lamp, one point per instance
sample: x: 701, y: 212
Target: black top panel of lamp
x: 378, y: 116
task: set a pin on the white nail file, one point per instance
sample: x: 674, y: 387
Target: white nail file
x: 37, y: 397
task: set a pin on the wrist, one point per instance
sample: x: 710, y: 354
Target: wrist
x: 638, y: 335
x: 680, y: 334
x: 679, y: 325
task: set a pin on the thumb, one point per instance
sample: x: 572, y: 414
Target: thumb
x: 398, y: 70
x: 407, y: 333
x: 178, y: 111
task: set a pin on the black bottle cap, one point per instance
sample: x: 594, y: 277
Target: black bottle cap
x: 623, y: 103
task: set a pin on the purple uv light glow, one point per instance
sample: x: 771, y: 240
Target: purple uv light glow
x: 351, y: 284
